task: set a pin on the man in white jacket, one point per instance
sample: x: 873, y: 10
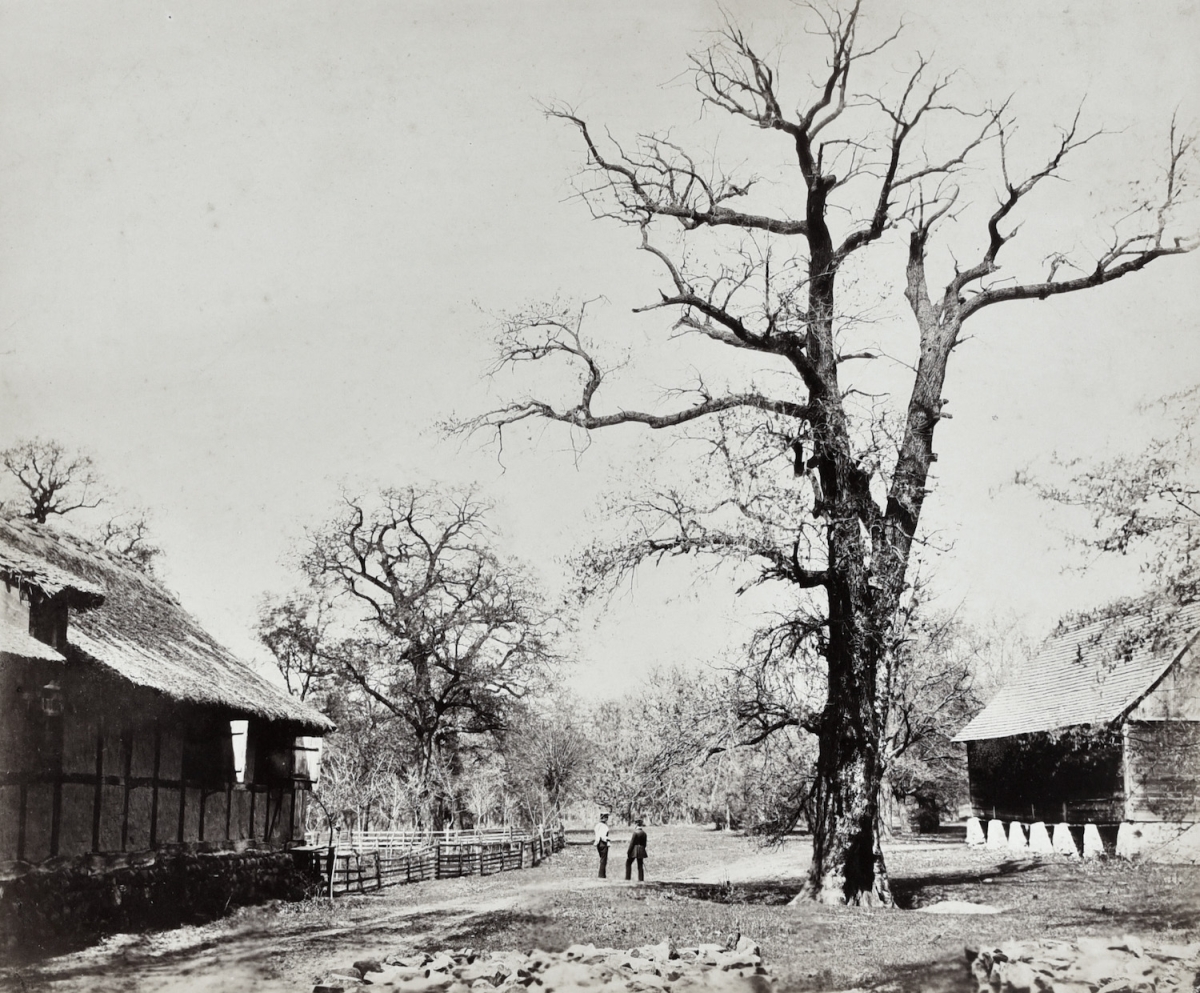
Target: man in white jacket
x: 602, y: 843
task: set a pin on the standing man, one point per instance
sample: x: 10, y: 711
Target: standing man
x: 602, y: 843
x: 637, y: 852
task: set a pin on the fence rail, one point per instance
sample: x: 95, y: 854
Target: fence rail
x: 370, y: 841
x: 359, y: 869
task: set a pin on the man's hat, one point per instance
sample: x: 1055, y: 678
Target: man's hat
x: 604, y: 815
x: 639, y: 822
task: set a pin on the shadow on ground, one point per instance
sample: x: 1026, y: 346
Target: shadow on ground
x: 770, y: 893
x: 479, y: 928
x: 949, y: 975
x: 914, y: 892
x: 254, y: 946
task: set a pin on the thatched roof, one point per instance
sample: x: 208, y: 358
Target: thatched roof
x: 15, y: 640
x: 139, y: 630
x: 24, y: 570
x: 1094, y: 673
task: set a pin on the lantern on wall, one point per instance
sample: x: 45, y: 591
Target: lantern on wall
x: 52, y: 699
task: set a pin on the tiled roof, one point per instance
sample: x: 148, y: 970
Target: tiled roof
x: 1089, y: 675
x: 139, y: 630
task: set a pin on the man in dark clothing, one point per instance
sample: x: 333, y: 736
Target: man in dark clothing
x: 636, y: 852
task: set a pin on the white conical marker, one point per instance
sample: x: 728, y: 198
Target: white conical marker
x: 1064, y: 844
x: 1093, y: 847
x: 1016, y: 837
x: 1039, y: 839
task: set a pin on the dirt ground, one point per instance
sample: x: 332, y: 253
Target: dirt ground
x: 702, y: 886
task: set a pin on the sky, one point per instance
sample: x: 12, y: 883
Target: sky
x: 252, y: 254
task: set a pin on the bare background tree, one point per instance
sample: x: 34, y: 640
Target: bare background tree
x: 904, y: 182
x: 1145, y: 503
x: 408, y: 610
x: 51, y: 481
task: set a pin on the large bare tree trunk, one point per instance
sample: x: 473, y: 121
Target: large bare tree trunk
x: 847, y: 863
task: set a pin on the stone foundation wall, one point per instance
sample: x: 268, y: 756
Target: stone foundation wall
x: 77, y: 898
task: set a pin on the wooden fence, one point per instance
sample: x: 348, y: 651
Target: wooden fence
x: 371, y: 841
x: 394, y: 860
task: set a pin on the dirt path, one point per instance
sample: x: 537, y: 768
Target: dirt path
x: 268, y: 950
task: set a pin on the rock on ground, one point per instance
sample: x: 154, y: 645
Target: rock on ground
x: 1090, y: 965
x: 733, y: 968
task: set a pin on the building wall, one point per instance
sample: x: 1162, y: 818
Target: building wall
x: 1176, y: 697
x: 123, y: 769
x: 1162, y: 771
x: 82, y: 897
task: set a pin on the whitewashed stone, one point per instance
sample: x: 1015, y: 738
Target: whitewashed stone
x: 1016, y: 837
x: 1093, y: 847
x: 975, y: 835
x: 1168, y: 843
x: 1039, y: 839
x: 996, y: 838
x: 1064, y: 844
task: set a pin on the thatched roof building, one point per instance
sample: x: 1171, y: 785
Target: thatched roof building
x: 128, y: 623
x: 124, y: 727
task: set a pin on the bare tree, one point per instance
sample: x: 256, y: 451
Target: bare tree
x: 295, y: 629
x: 547, y: 755
x: 424, y: 621
x: 1146, y: 503
x: 56, y: 481
x: 763, y: 272
x: 129, y: 535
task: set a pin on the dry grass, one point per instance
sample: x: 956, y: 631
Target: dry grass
x: 685, y: 897
x: 810, y: 947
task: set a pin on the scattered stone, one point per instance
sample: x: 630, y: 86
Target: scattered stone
x: 1090, y: 965
x: 735, y: 967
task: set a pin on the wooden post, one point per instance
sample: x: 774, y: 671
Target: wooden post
x: 332, y: 863
x: 126, y: 773
x: 154, y: 785
x: 98, y: 796
x: 22, y: 809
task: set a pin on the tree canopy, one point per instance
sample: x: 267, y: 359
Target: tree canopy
x: 409, y: 610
